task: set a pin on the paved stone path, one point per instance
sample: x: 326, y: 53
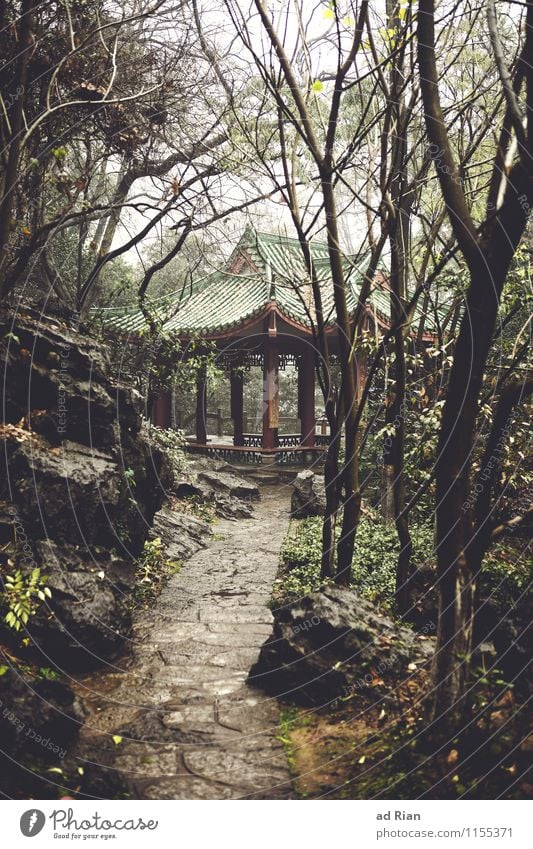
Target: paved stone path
x: 191, y: 727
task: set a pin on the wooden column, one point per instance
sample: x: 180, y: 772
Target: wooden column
x: 161, y: 410
x: 237, y: 407
x: 270, y: 394
x: 306, y: 399
x: 201, y: 407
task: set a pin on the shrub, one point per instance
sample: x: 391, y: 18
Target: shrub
x: 171, y: 442
x: 153, y: 569
x: 374, y: 562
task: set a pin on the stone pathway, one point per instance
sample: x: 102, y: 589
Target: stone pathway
x: 191, y: 727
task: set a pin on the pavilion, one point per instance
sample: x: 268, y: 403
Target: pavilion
x: 257, y: 310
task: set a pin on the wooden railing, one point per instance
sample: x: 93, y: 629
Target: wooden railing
x: 224, y: 424
x: 299, y: 455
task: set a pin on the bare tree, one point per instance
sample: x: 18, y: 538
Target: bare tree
x: 112, y: 95
x: 487, y: 249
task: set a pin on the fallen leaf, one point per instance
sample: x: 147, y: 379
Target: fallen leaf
x: 453, y: 757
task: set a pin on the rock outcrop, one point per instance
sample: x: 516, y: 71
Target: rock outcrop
x: 78, y: 486
x: 182, y: 535
x: 331, y: 643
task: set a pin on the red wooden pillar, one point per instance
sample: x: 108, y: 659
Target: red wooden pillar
x: 237, y: 406
x: 270, y: 394
x: 161, y: 410
x: 201, y: 407
x: 306, y: 399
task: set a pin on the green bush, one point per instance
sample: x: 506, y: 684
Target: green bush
x: 374, y: 562
x: 172, y: 443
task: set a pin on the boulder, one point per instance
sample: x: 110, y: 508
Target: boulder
x: 79, y: 488
x: 308, y: 497
x: 230, y: 507
x: 332, y: 643
x: 56, y: 381
x: 215, y: 482
x: 181, y: 533
x: 76, y: 494
x: 227, y: 483
x: 87, y: 618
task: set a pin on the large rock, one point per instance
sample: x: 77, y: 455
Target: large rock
x: 308, y: 497
x: 183, y: 535
x: 88, y: 616
x: 229, y: 483
x: 75, y: 494
x: 215, y: 482
x: 52, y: 367
x: 331, y: 643
x: 79, y: 486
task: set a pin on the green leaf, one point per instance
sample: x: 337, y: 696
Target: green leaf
x: 117, y: 739
x: 317, y: 86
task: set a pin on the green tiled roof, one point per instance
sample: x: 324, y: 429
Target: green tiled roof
x: 270, y: 268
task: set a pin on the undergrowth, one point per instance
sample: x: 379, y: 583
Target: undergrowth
x: 374, y: 562
x: 153, y: 570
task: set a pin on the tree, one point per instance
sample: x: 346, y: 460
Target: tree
x: 487, y: 249
x: 337, y: 133
x: 101, y: 102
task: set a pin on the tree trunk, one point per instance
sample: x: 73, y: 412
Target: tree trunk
x: 350, y: 473
x: 488, y: 260
x: 14, y: 132
x: 455, y: 575
x: 331, y: 474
